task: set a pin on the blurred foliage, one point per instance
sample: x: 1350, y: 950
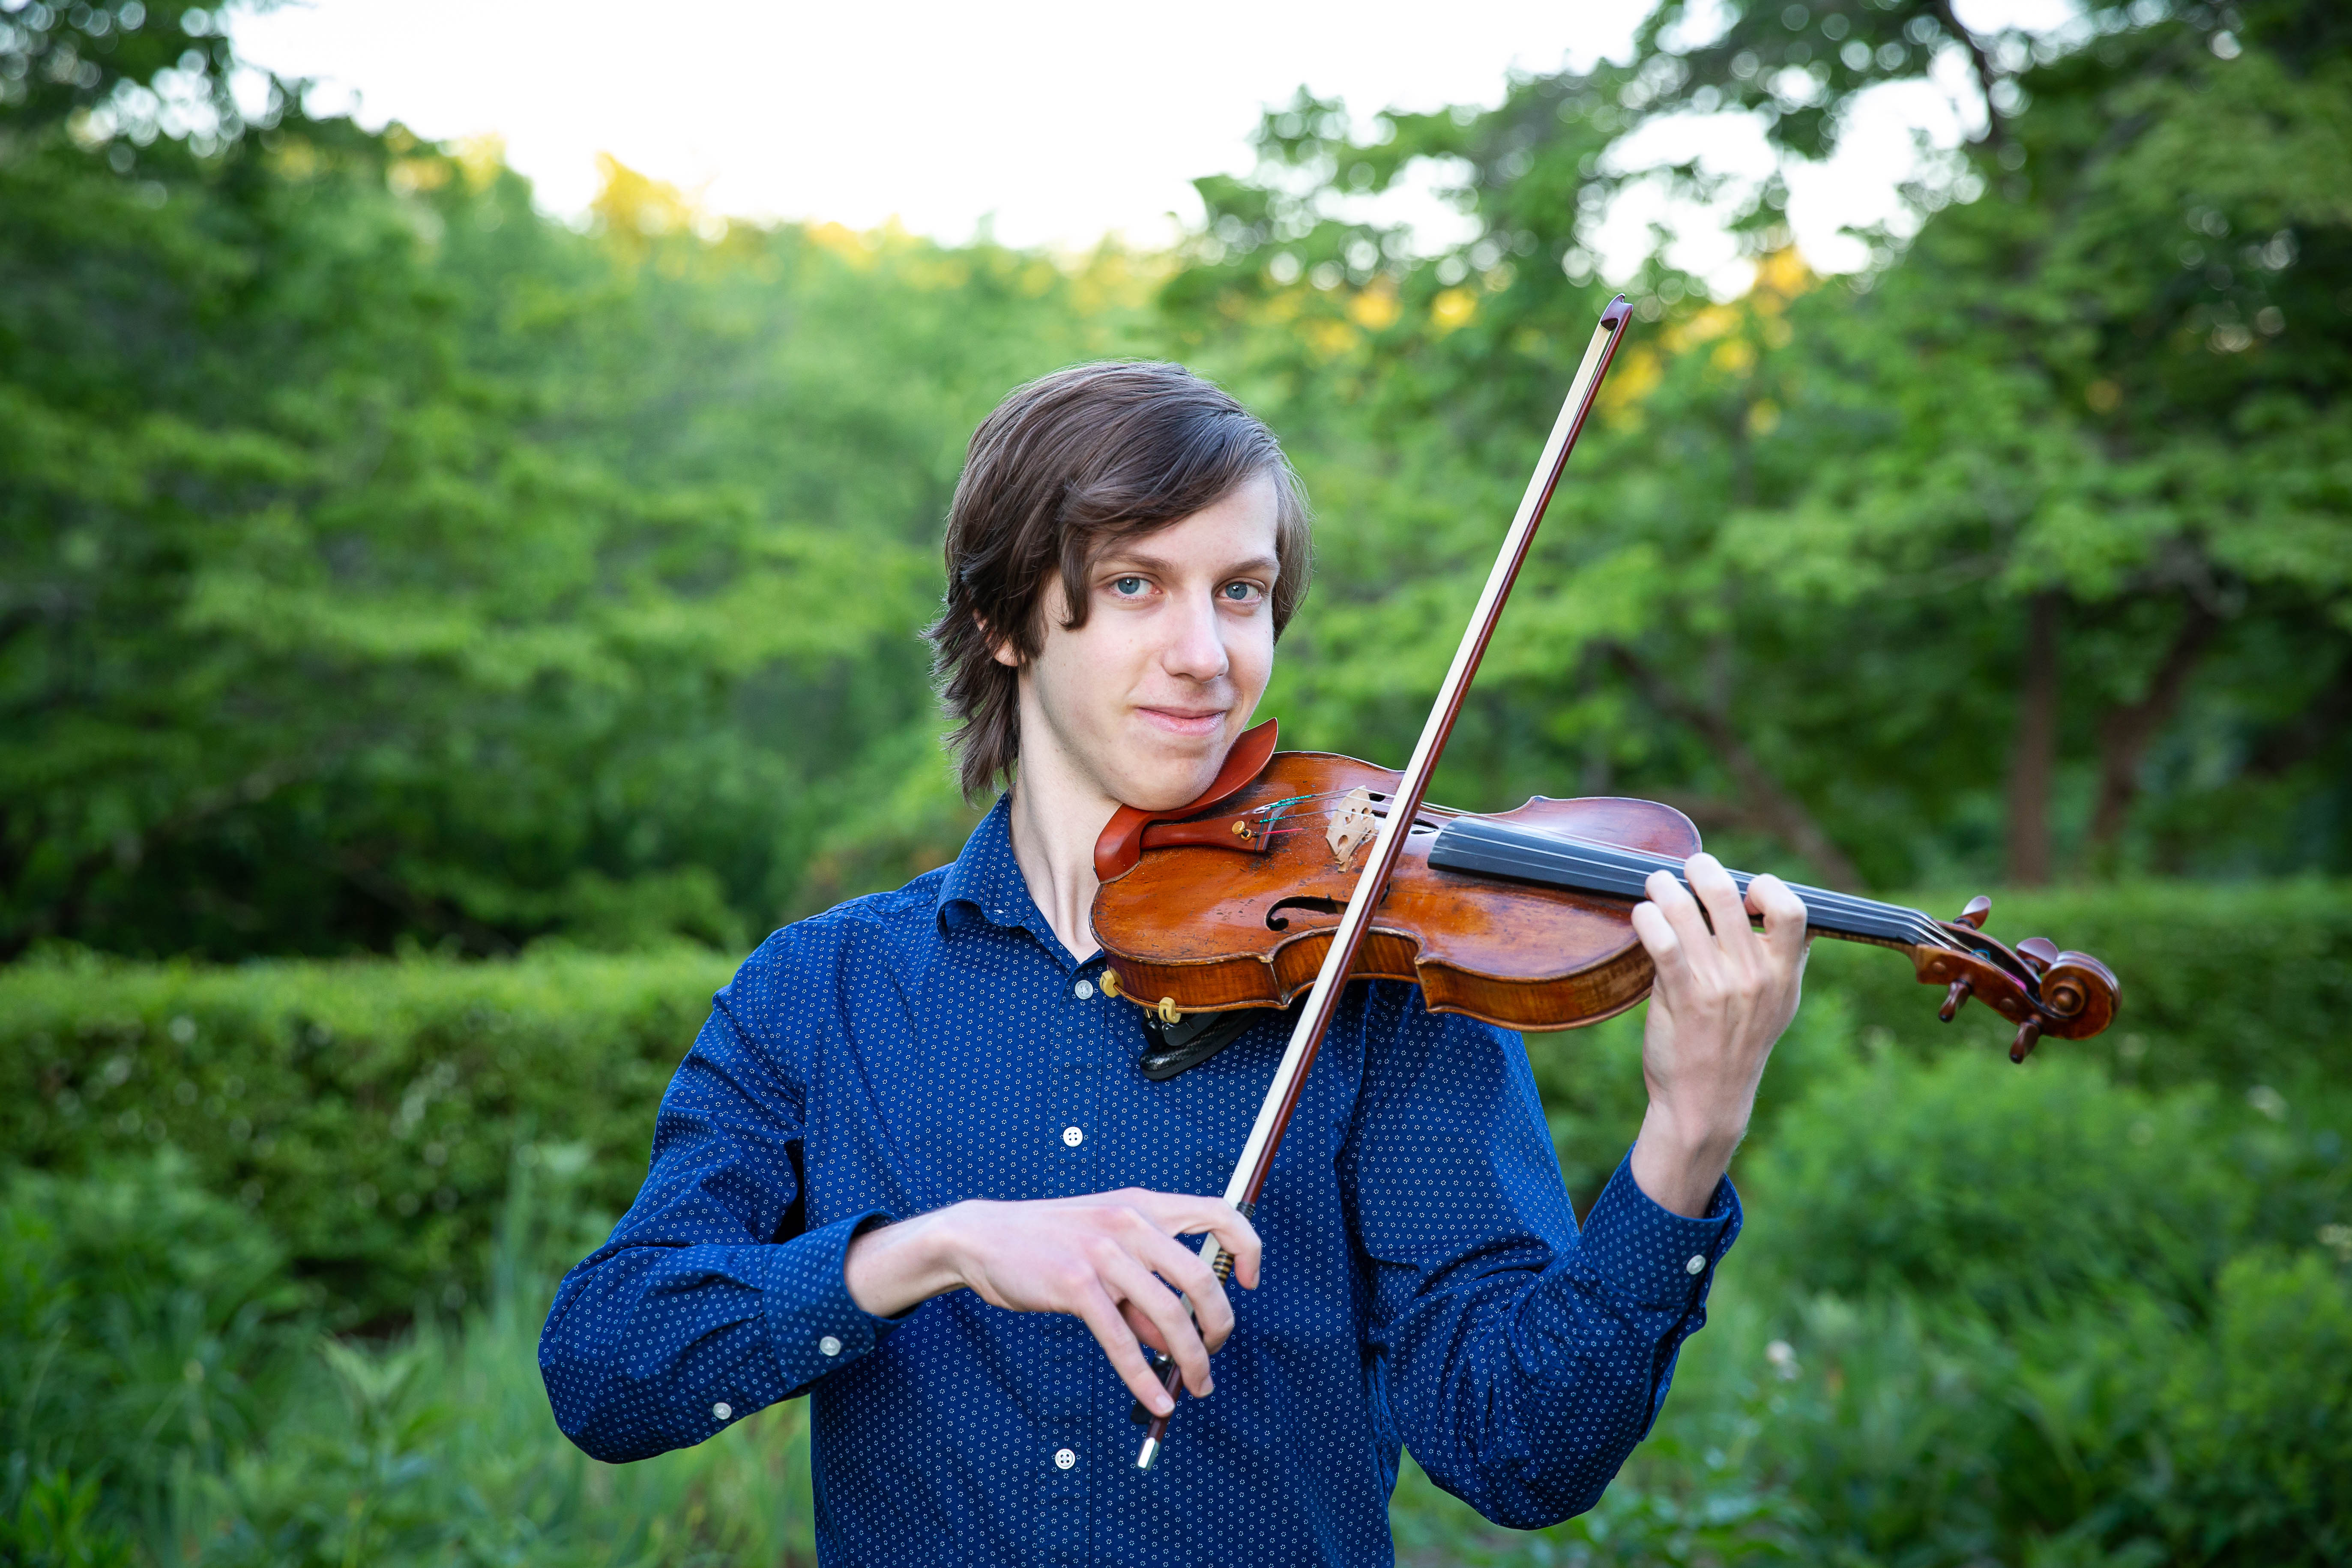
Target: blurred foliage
x: 1987, y: 1314
x: 2242, y: 984
x: 148, y: 1327
x: 366, y: 1111
x: 272, y: 1445
x: 381, y: 559
x: 1983, y: 1314
x: 2025, y: 547
x: 2239, y: 989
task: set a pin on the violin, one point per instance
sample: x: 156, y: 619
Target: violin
x: 1522, y: 918
x: 1303, y: 870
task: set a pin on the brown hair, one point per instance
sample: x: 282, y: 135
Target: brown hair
x: 1067, y: 467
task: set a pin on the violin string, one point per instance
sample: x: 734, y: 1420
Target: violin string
x: 1921, y: 928
x: 1818, y: 902
x: 1605, y: 857
x: 1913, y: 922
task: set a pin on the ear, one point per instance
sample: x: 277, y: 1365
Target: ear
x: 1001, y: 650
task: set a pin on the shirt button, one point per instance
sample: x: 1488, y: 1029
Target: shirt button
x: 829, y: 1345
x: 1073, y: 1136
x: 1085, y: 988
x: 1698, y: 1264
x: 1064, y: 1458
x: 723, y: 1411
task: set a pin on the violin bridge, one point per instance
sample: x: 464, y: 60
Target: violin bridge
x: 1353, y: 822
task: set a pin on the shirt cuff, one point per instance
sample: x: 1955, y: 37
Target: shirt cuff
x: 1652, y: 1255
x: 815, y: 1326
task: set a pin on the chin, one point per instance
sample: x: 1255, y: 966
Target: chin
x: 1173, y: 777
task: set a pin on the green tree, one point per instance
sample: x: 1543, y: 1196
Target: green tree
x: 381, y: 559
x: 2025, y: 546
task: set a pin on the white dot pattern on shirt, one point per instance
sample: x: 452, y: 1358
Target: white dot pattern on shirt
x: 878, y: 1059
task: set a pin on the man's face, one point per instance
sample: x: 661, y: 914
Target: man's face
x: 1144, y: 700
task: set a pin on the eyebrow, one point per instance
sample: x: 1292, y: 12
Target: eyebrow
x: 1116, y: 559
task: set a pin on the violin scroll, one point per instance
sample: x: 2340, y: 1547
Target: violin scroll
x: 2038, y: 986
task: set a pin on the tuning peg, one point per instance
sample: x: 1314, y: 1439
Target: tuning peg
x: 2028, y: 1033
x: 1960, y: 992
x: 2040, y: 951
x: 1974, y: 915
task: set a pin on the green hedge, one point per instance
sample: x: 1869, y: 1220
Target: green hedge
x: 368, y: 1110
x: 2240, y: 984
x: 2247, y: 987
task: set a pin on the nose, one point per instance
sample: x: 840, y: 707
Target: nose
x: 1195, y: 650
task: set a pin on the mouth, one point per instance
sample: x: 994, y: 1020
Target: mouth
x: 1191, y: 723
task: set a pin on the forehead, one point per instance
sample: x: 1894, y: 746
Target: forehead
x: 1235, y: 530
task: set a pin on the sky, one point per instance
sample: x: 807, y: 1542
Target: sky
x: 1054, y: 123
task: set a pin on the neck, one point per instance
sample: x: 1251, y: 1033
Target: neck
x: 1496, y: 848
x: 1058, y: 812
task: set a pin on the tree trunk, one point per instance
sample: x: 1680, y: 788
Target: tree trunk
x: 1764, y: 801
x: 2033, y: 758
x: 2126, y: 732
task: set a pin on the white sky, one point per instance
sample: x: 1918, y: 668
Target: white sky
x: 1060, y: 121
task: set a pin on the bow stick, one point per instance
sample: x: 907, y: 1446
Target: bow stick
x: 1323, y: 1000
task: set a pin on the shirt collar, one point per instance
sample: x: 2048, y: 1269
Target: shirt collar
x: 985, y: 881
x: 985, y: 884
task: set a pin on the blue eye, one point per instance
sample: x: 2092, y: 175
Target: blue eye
x: 1240, y: 593
x: 1128, y: 587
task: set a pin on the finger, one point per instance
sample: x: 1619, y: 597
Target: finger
x: 1179, y: 1336
x: 1183, y: 1271
x: 1674, y: 902
x: 1657, y: 934
x: 1143, y: 1327
x: 1183, y: 1213
x: 1725, y: 907
x: 1784, y: 918
x: 1109, y: 1325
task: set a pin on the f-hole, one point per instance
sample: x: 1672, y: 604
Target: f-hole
x: 1273, y: 920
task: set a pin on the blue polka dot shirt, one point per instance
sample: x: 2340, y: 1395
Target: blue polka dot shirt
x: 1426, y: 1283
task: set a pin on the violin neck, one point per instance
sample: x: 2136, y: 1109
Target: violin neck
x: 1485, y: 848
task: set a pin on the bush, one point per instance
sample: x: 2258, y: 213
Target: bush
x: 1980, y: 1314
x: 1593, y: 1092
x: 2015, y: 1191
x: 2258, y: 1453
x: 54, y: 1528
x: 367, y: 1111
x: 1983, y: 1314
x: 2240, y: 984
x: 2036, y: 1316
x: 159, y: 1383
x: 143, y: 1322
x: 2021, y: 1192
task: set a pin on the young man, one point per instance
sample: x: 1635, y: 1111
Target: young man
x: 910, y: 1166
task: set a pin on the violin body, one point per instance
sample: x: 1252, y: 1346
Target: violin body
x: 1216, y: 925
x: 1521, y: 917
